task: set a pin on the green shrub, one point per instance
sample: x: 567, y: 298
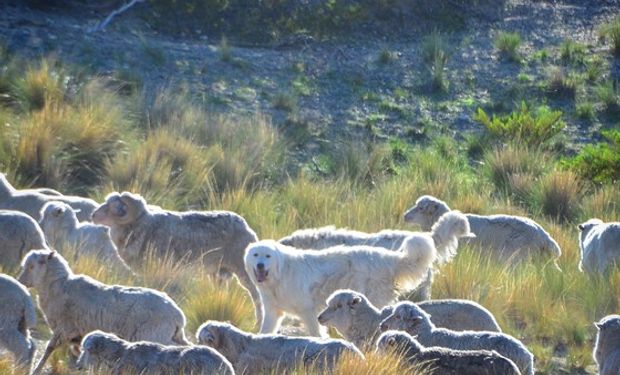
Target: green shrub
x: 611, y: 31
x: 532, y: 127
x: 508, y: 45
x: 599, y: 162
x: 561, y: 84
x: 609, y: 96
x: 435, y: 56
x: 585, y: 110
x: 572, y: 52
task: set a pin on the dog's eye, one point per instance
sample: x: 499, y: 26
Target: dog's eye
x: 267, y: 256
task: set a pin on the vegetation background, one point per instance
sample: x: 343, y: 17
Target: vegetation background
x: 304, y: 114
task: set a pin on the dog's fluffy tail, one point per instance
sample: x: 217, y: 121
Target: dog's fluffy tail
x: 418, y: 256
x: 446, y: 233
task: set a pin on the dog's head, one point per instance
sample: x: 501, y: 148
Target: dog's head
x: 263, y: 261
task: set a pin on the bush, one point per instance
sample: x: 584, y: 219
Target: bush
x: 608, y: 94
x: 599, y: 162
x: 533, y: 128
x: 558, y: 195
x: 611, y: 31
x: 508, y: 45
x: 435, y: 56
x: 572, y: 52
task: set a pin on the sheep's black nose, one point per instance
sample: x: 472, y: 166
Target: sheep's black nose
x: 260, y: 266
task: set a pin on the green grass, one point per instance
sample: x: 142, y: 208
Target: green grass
x: 611, y: 32
x: 508, y: 44
x: 177, y: 154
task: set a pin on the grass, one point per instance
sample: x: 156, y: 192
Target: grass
x: 611, y: 32
x: 435, y: 54
x: 508, y: 44
x: 179, y: 155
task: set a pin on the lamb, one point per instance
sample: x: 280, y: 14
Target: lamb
x: 19, y: 233
x: 217, y: 238
x: 290, y: 280
x: 510, y: 238
x: 358, y: 320
x: 17, y: 316
x: 409, y: 317
x: 63, y: 230
x: 443, y: 361
x: 325, y: 237
x: 600, y: 245
x: 75, y: 305
x: 252, y: 354
x: 607, y: 347
x: 31, y: 201
x: 107, y: 352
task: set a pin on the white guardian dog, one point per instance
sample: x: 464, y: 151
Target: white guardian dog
x: 299, y: 281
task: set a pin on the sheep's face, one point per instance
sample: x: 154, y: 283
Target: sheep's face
x: 263, y: 261
x: 208, y: 334
x: 341, y: 307
x: 393, y: 341
x: 98, y: 349
x: 55, y: 216
x: 607, y: 336
x: 405, y: 317
x: 119, y: 209
x: 34, y: 267
x: 424, y: 212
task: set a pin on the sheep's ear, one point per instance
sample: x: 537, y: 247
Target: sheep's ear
x: 355, y: 301
x: 52, y: 254
x: 580, y: 226
x: 391, y: 341
x: 598, y: 325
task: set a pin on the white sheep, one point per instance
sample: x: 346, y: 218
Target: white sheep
x: 607, y: 347
x: 17, y: 316
x: 358, y: 320
x: 443, y: 361
x: 217, y: 238
x: 63, y: 231
x: 19, y: 233
x: 30, y: 201
x: 75, y: 305
x: 600, y: 245
x: 409, y: 317
x: 107, y: 352
x: 252, y: 354
x: 511, y: 238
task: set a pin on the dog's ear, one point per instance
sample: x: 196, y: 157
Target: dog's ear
x: 278, y: 260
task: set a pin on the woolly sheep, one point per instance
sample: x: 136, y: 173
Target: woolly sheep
x: 409, y: 317
x: 131, y: 312
x: 17, y: 316
x: 512, y: 238
x: 443, y: 361
x: 31, y: 201
x: 358, y: 320
x: 108, y: 352
x: 607, y: 346
x: 19, y: 233
x: 252, y: 354
x: 63, y: 230
x: 600, y: 245
x: 217, y: 238
x: 329, y: 236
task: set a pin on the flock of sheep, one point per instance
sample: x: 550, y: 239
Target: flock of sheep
x: 327, y: 277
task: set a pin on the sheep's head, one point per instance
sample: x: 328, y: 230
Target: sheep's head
x: 120, y: 209
x: 55, y: 216
x: 35, y: 266
x: 263, y: 261
x: 395, y: 341
x: 426, y: 211
x: 608, y: 336
x: 99, y: 350
x: 221, y: 337
x: 408, y: 317
x: 341, y: 308
x: 586, y: 227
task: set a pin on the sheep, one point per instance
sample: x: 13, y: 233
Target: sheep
x: 217, y: 238
x: 74, y: 305
x: 63, y: 230
x: 510, y: 238
x: 607, y: 347
x: 17, y: 316
x: 19, y: 233
x: 252, y: 354
x: 31, y: 201
x: 443, y: 361
x: 108, y: 352
x: 409, y: 317
x: 329, y: 236
x: 358, y: 320
x: 600, y: 245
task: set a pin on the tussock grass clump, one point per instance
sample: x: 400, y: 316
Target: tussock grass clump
x: 508, y: 44
x: 558, y: 195
x: 609, y: 96
x: 572, y: 52
x: 562, y: 84
x: 513, y: 168
x: 435, y: 56
x: 611, y: 31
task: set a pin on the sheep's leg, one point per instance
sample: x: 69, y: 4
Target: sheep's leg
x: 311, y: 322
x: 19, y: 345
x: 54, y: 343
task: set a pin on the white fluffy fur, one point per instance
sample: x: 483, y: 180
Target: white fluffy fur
x: 510, y: 238
x: 600, y: 245
x: 298, y: 282
x: 607, y: 347
x: 19, y: 233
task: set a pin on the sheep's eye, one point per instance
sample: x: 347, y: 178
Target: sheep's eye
x: 397, y: 316
x: 31, y: 266
x: 255, y: 254
x: 339, y: 305
x: 267, y: 256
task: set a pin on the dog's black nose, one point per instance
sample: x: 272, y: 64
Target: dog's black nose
x: 260, y: 266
